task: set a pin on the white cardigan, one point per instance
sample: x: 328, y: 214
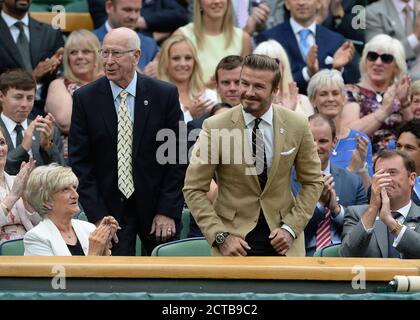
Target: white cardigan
x: 45, y: 239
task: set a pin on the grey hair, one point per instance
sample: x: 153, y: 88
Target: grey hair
x: 326, y: 77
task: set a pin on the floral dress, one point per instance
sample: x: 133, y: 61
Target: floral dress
x: 370, y: 101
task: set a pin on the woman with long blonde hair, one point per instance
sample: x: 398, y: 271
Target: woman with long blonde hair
x: 214, y: 35
x: 179, y: 65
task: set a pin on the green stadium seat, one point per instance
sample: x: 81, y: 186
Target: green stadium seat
x: 12, y: 248
x: 77, y: 6
x: 185, y: 219
x: 188, y: 247
x: 329, y: 251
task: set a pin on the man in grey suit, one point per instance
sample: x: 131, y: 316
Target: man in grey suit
x: 396, y: 18
x: 38, y: 138
x: 389, y: 226
x: 342, y: 188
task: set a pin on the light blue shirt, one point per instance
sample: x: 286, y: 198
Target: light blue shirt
x: 131, y: 90
x: 417, y: 187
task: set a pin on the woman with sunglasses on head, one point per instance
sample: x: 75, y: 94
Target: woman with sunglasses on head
x: 380, y: 101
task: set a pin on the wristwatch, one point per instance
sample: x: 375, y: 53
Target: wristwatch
x: 397, y: 228
x: 221, y: 237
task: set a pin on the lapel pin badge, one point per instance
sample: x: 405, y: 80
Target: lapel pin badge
x: 146, y: 102
x: 411, y: 225
x: 281, y: 130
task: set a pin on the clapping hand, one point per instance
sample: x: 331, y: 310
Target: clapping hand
x: 21, y: 179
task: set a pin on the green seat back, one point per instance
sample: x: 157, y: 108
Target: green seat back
x: 188, y: 247
x: 185, y: 229
x: 12, y: 248
x: 330, y: 251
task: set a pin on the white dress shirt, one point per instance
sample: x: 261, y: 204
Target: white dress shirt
x: 400, y: 5
x: 267, y: 130
x: 296, y: 27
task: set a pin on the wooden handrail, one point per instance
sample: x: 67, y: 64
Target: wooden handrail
x: 259, y: 268
x: 73, y: 20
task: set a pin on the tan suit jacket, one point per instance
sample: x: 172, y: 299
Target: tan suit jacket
x: 240, y: 197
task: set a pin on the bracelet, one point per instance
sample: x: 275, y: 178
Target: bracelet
x: 363, y: 169
x: 4, y: 207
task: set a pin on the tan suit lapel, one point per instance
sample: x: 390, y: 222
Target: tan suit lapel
x: 244, y: 145
x: 279, y: 141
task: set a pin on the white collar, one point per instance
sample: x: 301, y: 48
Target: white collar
x: 400, y: 5
x: 267, y: 116
x: 404, y: 210
x: 296, y: 27
x: 10, y: 21
x: 10, y: 124
x: 131, y: 88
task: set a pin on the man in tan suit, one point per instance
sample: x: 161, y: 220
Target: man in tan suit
x: 251, y: 149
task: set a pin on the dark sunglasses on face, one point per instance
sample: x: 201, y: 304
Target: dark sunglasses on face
x: 385, y: 58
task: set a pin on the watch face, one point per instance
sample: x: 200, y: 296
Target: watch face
x: 220, y: 238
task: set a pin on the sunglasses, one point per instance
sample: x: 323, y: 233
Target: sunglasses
x: 385, y: 58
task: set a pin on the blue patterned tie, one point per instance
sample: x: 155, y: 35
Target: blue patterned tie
x: 124, y: 148
x: 303, y: 43
x: 392, y: 252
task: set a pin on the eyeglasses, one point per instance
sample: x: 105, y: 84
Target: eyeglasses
x: 114, y: 53
x: 385, y: 58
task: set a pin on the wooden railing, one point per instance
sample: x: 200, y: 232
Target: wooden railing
x: 258, y: 268
x: 73, y: 20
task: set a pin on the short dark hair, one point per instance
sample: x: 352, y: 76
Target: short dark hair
x: 228, y: 63
x: 412, y: 126
x: 409, y: 163
x: 17, y: 79
x: 326, y: 119
x: 219, y: 106
x: 263, y: 62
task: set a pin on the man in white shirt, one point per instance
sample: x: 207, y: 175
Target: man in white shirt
x: 389, y: 226
x: 255, y: 212
x: 38, y: 138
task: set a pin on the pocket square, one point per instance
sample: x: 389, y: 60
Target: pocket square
x: 329, y: 60
x: 288, y: 152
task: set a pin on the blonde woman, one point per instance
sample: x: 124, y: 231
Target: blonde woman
x: 214, y: 35
x: 288, y: 95
x: 178, y: 64
x: 380, y: 101
x: 82, y: 65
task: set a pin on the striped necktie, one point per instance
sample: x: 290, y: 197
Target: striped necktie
x: 323, y: 234
x: 124, y: 148
x: 258, y: 152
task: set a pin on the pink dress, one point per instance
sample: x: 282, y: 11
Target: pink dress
x: 15, y: 223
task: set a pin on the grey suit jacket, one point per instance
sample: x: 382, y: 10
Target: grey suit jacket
x: 358, y: 243
x: 15, y: 156
x: 382, y: 17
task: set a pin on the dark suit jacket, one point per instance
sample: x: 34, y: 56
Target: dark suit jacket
x: 15, y: 156
x: 149, y: 48
x: 44, y: 42
x: 160, y: 15
x: 358, y: 243
x: 328, y: 42
x: 350, y: 191
x: 93, y: 150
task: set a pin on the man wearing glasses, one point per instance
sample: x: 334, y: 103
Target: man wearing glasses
x: 113, y: 147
